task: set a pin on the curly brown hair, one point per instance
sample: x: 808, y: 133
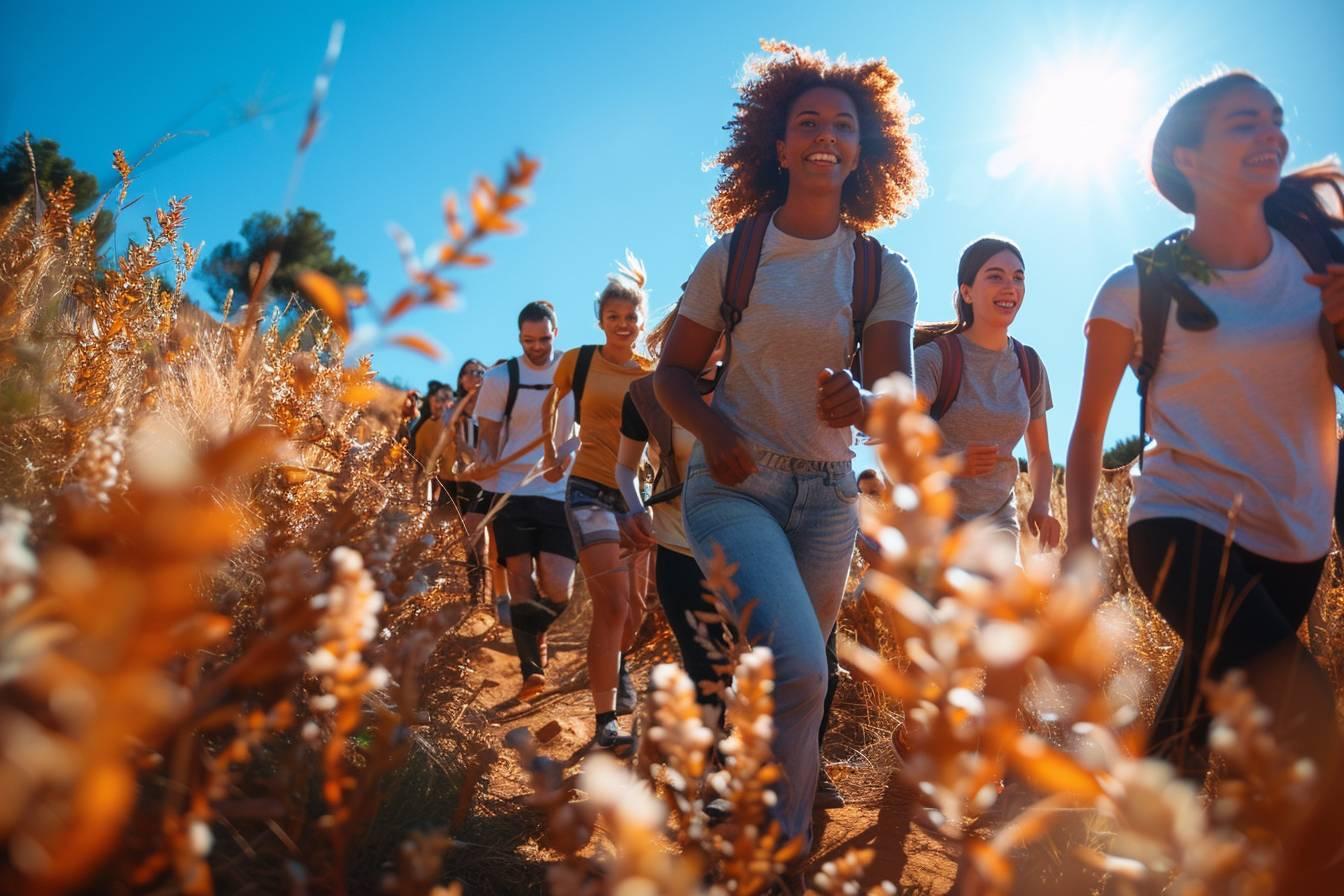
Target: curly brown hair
x: 890, y: 176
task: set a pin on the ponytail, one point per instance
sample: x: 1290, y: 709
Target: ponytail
x: 1314, y: 194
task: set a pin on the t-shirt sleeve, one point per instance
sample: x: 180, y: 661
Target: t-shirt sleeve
x: 632, y: 424
x: 898, y: 295
x: 928, y: 370
x: 493, y: 395
x: 1041, y: 401
x: 564, y: 372
x: 1118, y: 300
x: 703, y: 294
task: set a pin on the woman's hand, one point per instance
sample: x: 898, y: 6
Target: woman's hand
x: 979, y: 459
x: 839, y: 399
x: 553, y: 468
x: 726, y: 453
x: 637, y: 530
x: 1042, y: 525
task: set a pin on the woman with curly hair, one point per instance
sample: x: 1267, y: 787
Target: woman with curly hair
x: 819, y: 154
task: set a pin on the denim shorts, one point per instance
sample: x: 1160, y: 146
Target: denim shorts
x: 592, y: 510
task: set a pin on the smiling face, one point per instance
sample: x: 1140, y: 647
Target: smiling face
x: 820, y: 147
x: 1243, y: 149
x: 996, y: 295
x: 537, y: 337
x: 620, y: 321
x: 438, y: 400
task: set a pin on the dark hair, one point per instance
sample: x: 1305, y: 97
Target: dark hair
x: 867, y: 474
x: 458, y: 391
x: 973, y: 258
x: 536, y: 312
x: 890, y: 176
x: 1184, y: 125
x: 434, y: 386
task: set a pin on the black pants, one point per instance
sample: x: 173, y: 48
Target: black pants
x: 678, y: 578
x: 1256, y: 602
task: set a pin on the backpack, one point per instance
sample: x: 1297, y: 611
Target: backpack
x: 744, y: 255
x: 954, y: 363
x: 1160, y: 286
x: 581, y: 366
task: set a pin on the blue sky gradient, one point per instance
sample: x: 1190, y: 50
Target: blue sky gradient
x: 623, y: 106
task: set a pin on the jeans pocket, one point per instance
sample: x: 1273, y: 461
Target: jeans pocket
x: 847, y: 488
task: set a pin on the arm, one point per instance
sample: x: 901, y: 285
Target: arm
x: 1109, y: 348
x: 637, y: 526
x: 487, y: 449
x: 550, y: 406
x: 1041, y: 473
x: 685, y: 354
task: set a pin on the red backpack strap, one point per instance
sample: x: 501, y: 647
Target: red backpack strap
x: 867, y: 285
x: 949, y: 382
x: 744, y: 255
x: 1029, y: 364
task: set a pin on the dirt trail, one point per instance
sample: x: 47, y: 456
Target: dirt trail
x: 879, y: 814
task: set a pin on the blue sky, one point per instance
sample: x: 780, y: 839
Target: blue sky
x: 623, y: 105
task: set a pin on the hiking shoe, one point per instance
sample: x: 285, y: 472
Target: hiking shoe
x: 532, y: 687
x: 610, y: 737
x: 627, y: 698
x: 828, y: 795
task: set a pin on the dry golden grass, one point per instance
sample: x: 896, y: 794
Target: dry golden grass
x: 221, y: 589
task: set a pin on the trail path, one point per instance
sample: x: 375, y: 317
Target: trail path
x: 878, y: 815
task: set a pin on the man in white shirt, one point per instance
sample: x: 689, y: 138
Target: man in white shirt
x: 530, y: 529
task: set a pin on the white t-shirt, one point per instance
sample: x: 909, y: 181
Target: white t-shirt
x: 1245, y: 410
x: 523, y: 426
x: 798, y: 321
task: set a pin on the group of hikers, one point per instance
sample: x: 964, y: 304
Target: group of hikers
x: 748, y: 393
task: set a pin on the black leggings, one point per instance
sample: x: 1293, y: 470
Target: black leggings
x: 1264, y: 602
x: 678, y: 578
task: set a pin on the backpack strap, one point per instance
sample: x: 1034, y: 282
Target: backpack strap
x: 581, y: 365
x: 867, y: 285
x: 1029, y: 365
x: 1160, y: 285
x: 515, y: 377
x: 949, y: 381
x: 744, y: 256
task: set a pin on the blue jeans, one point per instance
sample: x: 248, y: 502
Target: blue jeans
x: 790, y: 526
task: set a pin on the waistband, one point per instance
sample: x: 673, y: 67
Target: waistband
x: 788, y: 464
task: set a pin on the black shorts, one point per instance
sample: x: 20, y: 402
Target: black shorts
x: 531, y: 525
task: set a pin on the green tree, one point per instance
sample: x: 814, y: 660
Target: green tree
x: 53, y: 169
x: 1122, y: 452
x: 304, y: 243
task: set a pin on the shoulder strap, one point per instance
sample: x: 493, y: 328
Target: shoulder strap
x: 744, y: 255
x: 515, y: 377
x: 949, y: 381
x: 867, y: 286
x: 581, y: 365
x: 1029, y: 364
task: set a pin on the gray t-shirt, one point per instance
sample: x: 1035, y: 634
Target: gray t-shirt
x: 1243, y: 411
x: 798, y: 321
x: 992, y: 406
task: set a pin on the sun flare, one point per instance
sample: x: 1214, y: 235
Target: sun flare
x: 1078, y: 121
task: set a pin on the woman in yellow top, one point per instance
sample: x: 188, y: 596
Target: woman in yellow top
x: 593, y: 497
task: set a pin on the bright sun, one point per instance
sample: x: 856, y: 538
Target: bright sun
x: 1077, y: 122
